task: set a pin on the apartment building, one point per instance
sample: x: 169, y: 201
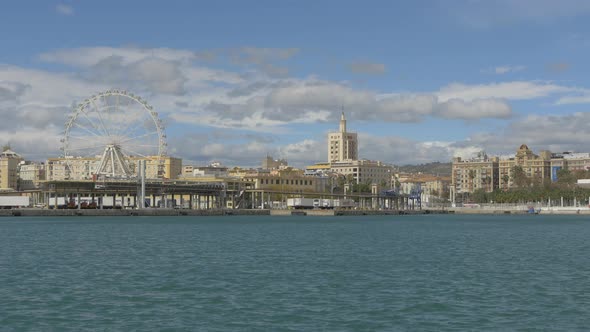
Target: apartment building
x: 481, y: 172
x: 536, y: 167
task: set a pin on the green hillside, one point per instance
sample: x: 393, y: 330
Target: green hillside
x: 436, y: 168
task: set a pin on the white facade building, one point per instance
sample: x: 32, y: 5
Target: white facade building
x: 365, y: 171
x: 30, y: 175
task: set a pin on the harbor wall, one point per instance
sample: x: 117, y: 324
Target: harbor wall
x: 126, y: 212
x: 37, y: 212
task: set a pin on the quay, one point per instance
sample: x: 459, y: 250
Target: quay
x: 39, y: 212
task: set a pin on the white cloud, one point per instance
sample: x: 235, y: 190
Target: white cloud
x: 91, y: 56
x: 516, y: 90
x: 402, y: 151
x: 475, y: 109
x: 295, y: 100
x: 264, y: 101
x: 64, y: 9
x: 159, y: 70
x: 49, y: 88
x: 184, y: 91
x: 247, y: 153
x: 540, y: 132
x: 305, y: 152
x: 567, y: 100
x: 33, y: 143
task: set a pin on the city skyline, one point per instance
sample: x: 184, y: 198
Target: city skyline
x: 418, y: 81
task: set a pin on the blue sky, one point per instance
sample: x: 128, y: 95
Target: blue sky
x: 420, y: 81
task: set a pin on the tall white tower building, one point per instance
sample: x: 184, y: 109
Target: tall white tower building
x: 342, y: 146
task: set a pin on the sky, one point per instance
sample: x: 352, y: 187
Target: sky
x: 234, y: 81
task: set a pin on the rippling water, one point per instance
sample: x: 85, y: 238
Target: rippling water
x: 295, y: 273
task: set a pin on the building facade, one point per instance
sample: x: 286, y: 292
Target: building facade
x: 205, y: 171
x: 477, y: 173
x: 59, y: 169
x: 343, y: 145
x: 31, y: 174
x: 365, y: 171
x: 270, y: 163
x: 289, y: 182
x: 9, y: 162
x: 432, y: 189
x: 536, y: 167
x: 570, y: 161
x: 493, y: 173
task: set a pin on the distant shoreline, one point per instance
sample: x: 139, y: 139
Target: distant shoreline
x: 31, y: 212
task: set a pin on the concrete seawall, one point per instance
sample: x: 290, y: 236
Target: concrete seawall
x: 543, y: 210
x: 31, y: 212
x: 351, y: 212
x: 125, y: 212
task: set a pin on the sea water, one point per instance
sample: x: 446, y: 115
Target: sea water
x: 262, y: 273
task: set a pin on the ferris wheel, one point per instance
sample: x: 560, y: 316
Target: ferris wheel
x: 113, y: 128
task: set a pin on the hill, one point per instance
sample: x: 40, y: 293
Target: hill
x: 436, y: 168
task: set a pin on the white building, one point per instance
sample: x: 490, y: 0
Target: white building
x: 206, y: 172
x: 84, y: 168
x: 30, y: 175
x: 365, y: 171
x: 342, y: 146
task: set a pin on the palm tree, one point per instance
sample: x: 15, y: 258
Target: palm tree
x: 487, y: 181
x: 505, y: 179
x: 519, y: 177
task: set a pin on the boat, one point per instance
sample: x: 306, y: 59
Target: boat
x: 532, y: 210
